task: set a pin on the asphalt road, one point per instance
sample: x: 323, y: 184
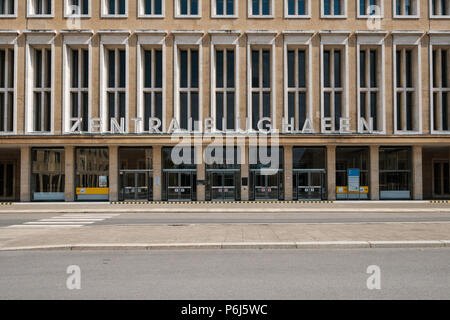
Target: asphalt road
x: 126, y: 218
x: 291, y: 274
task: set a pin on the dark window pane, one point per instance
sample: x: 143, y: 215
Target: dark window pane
x: 219, y: 69
x: 122, y: 8
x: 326, y: 69
x: 183, y: 110
x: 230, y: 7
x: 74, y: 100
x: 158, y: 69
x: 122, y: 106
x: 399, y: 112
x: 301, y: 109
x: 85, y: 111
x: 337, y: 110
x: 194, y: 109
x: 219, y: 7
x: 159, y: 106
x: 362, y: 99
x: 148, y: 69
x: 230, y: 69
x: 445, y: 105
x: 266, y: 7
x: 373, y: 109
x: 266, y: 105
x: 301, y: 69
x: 194, y: 7
x: 74, y: 68
x: 337, y: 69
x: 148, y: 109
x: 112, y: 6
x: 255, y: 7
x: 255, y: 69
x: 230, y: 111
x: 399, y: 68
x: 184, y: 7
x: 183, y: 69
x: 362, y: 69
x: 219, y: 111
x: 373, y: 68
x: 85, y: 69
x: 326, y: 105
x: 111, y: 69
x: 255, y: 110
x: 291, y: 69
x: 291, y: 106
x: 158, y: 7
x: 266, y: 69
x: 122, y: 62
x: 194, y: 70
x: 409, y: 110
x: 444, y: 69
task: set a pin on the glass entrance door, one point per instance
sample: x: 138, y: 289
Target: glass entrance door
x: 223, y: 186
x: 6, y: 181
x: 266, y: 186
x: 180, y: 186
x: 309, y: 185
x: 135, y: 185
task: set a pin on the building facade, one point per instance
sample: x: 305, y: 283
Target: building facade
x: 348, y: 98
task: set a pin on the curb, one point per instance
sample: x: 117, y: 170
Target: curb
x: 239, y: 246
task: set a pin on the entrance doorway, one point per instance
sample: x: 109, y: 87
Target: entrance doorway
x: 136, y: 185
x: 309, y: 184
x: 7, y: 183
x: 181, y: 185
x: 266, y: 186
x: 441, y: 175
x: 223, y: 185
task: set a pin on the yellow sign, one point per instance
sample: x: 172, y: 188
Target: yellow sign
x: 343, y: 190
x: 92, y: 191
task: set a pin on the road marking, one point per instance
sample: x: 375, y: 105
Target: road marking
x: 66, y: 221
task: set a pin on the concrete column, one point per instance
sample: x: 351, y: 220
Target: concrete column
x: 288, y: 173
x: 157, y: 173
x: 331, y: 172
x: 417, y: 173
x: 25, y: 174
x: 244, y: 172
x: 113, y: 173
x: 69, y: 172
x: 201, y: 174
x: 374, y: 178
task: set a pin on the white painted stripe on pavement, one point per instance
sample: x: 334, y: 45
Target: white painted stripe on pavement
x: 45, y: 226
x: 58, y: 222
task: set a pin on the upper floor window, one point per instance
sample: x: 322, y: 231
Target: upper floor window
x: 42, y: 89
x: 297, y: 8
x: 79, y: 87
x: 261, y: 85
x: 151, y: 8
x: 114, y: 8
x: 152, y: 86
x: 441, y: 88
x: 188, y: 8
x: 260, y: 8
x: 334, y: 8
x: 224, y: 8
x: 40, y: 8
x: 77, y: 8
x: 406, y: 9
x: 189, y: 87
x: 440, y: 9
x: 333, y: 85
x: 7, y: 90
x: 370, y: 8
x: 7, y: 8
x: 225, y: 89
x: 116, y: 88
x: 297, y: 86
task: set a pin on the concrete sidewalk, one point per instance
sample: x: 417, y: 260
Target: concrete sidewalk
x: 215, y: 236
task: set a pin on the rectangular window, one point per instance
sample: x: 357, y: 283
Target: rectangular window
x: 260, y: 8
x: 261, y: 85
x: 395, y: 173
x: 334, y: 8
x: 406, y: 9
x: 189, y: 89
x: 225, y: 89
x: 92, y: 173
x: 369, y: 89
x: 224, y: 8
x: 153, y: 85
x: 151, y: 8
x: 333, y: 84
x: 370, y: 8
x: 42, y: 89
x: 77, y: 8
x: 440, y: 8
x: 7, y: 90
x: 79, y: 87
x: 7, y: 8
x: 116, y: 85
x: 297, y: 88
x: 47, y: 176
x: 114, y: 7
x: 188, y: 8
x: 405, y: 89
x: 297, y: 8
x: 40, y: 7
x: 441, y: 88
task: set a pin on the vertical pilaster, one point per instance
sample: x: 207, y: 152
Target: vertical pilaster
x: 244, y: 171
x: 69, y: 173
x: 113, y: 173
x: 417, y: 173
x: 288, y: 173
x: 201, y: 187
x: 331, y: 172
x: 25, y: 173
x: 374, y: 179
x: 157, y: 173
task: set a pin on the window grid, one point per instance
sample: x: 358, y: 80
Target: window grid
x: 189, y: 89
x: 188, y: 8
x: 405, y: 89
x: 441, y: 88
x: 40, y: 7
x: 369, y: 85
x: 224, y: 8
x: 42, y: 90
x: 333, y: 89
x: 370, y: 8
x: 334, y: 8
x: 79, y: 86
x: 297, y: 8
x: 153, y: 85
x: 225, y: 88
x: 297, y: 88
x: 7, y: 7
x: 260, y: 8
x: 115, y: 7
x: 7, y: 90
x: 261, y: 88
x: 440, y: 8
x: 151, y: 8
x: 406, y: 8
x: 116, y: 88
x: 77, y: 8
